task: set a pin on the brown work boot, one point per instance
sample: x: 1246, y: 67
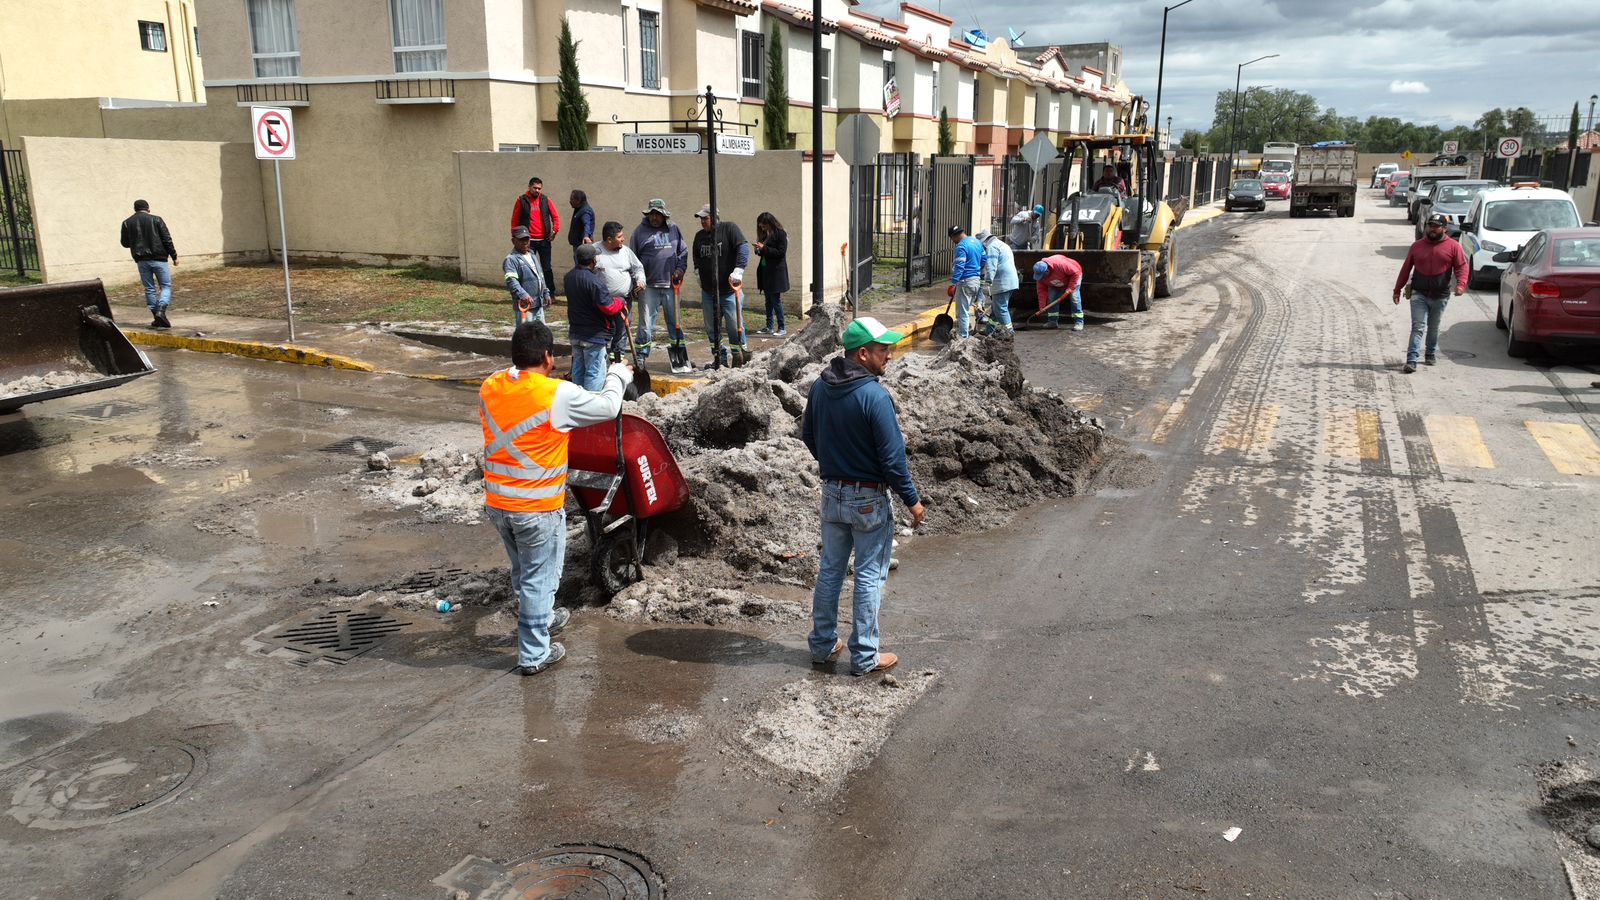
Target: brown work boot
x: 838, y: 648
x: 886, y: 661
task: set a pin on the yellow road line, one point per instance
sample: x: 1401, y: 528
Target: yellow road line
x: 1569, y: 447
x: 1351, y: 434
x: 1250, y: 429
x: 1457, y: 443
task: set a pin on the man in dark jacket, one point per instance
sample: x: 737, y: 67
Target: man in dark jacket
x: 590, y: 307
x: 1435, y: 265
x: 534, y: 211
x: 723, y: 249
x: 147, y: 238
x: 850, y: 427
x: 660, y: 246
x: 582, y: 231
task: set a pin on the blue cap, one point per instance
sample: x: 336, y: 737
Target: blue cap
x: 1040, y: 270
x: 1038, y: 210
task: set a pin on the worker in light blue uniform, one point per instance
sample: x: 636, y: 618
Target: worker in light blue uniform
x: 966, y: 277
x: 1001, y: 279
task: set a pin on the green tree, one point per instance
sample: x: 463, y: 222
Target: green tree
x: 1521, y: 122
x: 947, y: 135
x: 776, y: 108
x: 572, y: 107
x: 1572, y: 130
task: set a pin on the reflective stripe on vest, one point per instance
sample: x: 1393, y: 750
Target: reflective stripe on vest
x: 524, y: 465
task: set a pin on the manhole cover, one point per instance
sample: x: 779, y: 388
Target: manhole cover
x: 563, y: 872
x: 79, y: 787
x: 109, y: 410
x: 337, y: 635
x: 357, y: 446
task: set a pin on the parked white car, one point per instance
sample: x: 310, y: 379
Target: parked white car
x: 1505, y: 219
x: 1382, y: 173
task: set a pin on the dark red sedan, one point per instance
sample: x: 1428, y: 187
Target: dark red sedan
x: 1277, y: 185
x: 1550, y: 294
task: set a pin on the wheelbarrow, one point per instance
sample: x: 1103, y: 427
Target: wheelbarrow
x: 623, y: 476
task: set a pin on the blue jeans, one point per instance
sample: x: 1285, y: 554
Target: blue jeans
x: 774, y: 309
x: 859, y: 520
x: 1425, y: 315
x: 588, y: 365
x: 732, y: 320
x: 969, y: 293
x: 1000, y: 308
x: 536, y: 543
x: 151, y: 273
x: 656, y: 299
x: 1075, y: 304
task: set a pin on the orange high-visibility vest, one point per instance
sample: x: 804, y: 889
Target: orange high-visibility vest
x: 524, y: 456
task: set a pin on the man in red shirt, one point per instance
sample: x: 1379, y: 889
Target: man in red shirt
x: 534, y: 211
x: 1055, y: 279
x: 1435, y: 265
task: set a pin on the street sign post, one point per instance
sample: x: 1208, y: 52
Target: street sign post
x: 661, y: 144
x: 736, y: 144
x: 272, y: 130
x: 1037, y: 153
x: 857, y: 139
x: 1451, y: 148
x: 1509, y: 147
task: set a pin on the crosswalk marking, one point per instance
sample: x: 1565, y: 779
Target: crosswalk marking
x: 1250, y: 429
x: 1457, y: 443
x: 1569, y: 447
x: 1351, y: 434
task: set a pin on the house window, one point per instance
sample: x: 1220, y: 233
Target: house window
x: 418, y: 35
x: 649, y: 50
x: 888, y: 72
x: 274, y: 38
x: 938, y: 101
x: 153, y: 36
x: 625, y: 46
x: 753, y: 72
x: 827, y: 77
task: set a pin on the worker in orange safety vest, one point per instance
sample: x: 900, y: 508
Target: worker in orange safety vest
x: 526, y: 416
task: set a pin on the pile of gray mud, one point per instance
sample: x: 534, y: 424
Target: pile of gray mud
x: 982, y: 445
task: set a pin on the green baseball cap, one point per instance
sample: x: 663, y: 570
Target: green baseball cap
x: 867, y: 330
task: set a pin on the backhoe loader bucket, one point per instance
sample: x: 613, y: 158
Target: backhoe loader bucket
x: 57, y: 340
x: 1110, y: 281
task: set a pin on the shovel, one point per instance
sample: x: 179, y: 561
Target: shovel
x: 677, y: 352
x: 942, y: 323
x: 641, y: 376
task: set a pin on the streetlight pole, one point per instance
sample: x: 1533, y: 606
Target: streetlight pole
x: 1592, y: 99
x: 817, y: 100
x: 1234, y: 122
x: 1161, y: 71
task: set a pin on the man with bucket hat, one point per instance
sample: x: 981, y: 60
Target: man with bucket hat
x: 660, y: 246
x: 851, y: 429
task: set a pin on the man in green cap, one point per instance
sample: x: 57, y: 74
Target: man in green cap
x: 851, y: 430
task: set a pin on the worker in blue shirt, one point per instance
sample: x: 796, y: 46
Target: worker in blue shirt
x: 966, y: 277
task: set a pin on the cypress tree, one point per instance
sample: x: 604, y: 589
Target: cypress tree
x: 776, y: 108
x: 572, y: 107
x: 947, y: 135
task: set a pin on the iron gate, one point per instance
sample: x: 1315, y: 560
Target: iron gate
x: 946, y: 199
x: 19, y: 249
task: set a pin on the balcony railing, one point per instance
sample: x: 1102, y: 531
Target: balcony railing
x: 277, y: 94
x: 417, y: 90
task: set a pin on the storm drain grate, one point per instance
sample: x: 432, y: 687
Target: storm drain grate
x: 565, y: 870
x: 357, y: 446
x: 109, y: 410
x: 338, y: 635
x: 429, y: 579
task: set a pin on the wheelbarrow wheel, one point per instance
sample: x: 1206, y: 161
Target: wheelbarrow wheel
x: 612, y: 563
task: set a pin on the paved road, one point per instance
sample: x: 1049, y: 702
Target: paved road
x: 1347, y: 611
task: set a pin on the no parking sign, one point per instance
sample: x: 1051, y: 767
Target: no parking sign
x: 273, y: 131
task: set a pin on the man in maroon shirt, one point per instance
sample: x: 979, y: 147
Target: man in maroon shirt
x: 534, y: 211
x: 1435, y: 265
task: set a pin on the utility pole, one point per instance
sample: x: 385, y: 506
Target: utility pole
x: 816, y: 153
x: 1161, y: 71
x: 1234, y: 122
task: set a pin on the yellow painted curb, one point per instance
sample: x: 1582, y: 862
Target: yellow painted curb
x: 288, y: 353
x: 1197, y: 216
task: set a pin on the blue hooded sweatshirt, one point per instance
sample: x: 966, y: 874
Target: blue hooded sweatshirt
x: 851, y: 429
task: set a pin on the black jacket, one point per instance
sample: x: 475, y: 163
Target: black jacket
x: 772, y: 275
x: 590, y: 306
x: 147, y: 238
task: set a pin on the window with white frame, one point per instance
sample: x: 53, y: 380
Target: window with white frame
x: 938, y: 101
x: 625, y: 66
x: 753, y: 64
x: 649, y: 50
x: 418, y: 35
x: 827, y: 77
x: 153, y: 36
x: 274, y: 38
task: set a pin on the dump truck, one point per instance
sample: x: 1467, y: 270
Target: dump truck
x: 1324, y: 179
x: 57, y: 340
x: 1127, y: 245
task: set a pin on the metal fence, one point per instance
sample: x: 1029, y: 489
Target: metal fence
x: 1552, y: 167
x: 19, y: 247
x: 911, y: 205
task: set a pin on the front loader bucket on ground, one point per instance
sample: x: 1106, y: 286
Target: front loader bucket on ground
x: 1110, y: 281
x: 57, y: 340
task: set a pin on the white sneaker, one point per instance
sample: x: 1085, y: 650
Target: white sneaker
x: 1077, y: 326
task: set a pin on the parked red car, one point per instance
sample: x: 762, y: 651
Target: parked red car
x: 1550, y: 294
x: 1277, y: 185
x: 1393, y: 181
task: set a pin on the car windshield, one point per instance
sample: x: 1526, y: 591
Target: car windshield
x: 1400, y: 183
x: 1246, y: 185
x: 1530, y: 215
x: 1275, y: 179
x: 1276, y: 165
x: 1584, y: 252
x: 1458, y: 194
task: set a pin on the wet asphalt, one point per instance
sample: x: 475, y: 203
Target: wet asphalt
x: 1300, y: 606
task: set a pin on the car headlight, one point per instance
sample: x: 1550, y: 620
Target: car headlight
x: 1492, y: 247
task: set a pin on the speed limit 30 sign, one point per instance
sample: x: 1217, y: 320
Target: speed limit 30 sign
x: 273, y: 131
x: 1509, y: 147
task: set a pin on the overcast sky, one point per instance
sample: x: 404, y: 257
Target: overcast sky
x: 1362, y: 57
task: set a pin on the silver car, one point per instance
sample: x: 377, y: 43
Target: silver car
x: 1450, y: 199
